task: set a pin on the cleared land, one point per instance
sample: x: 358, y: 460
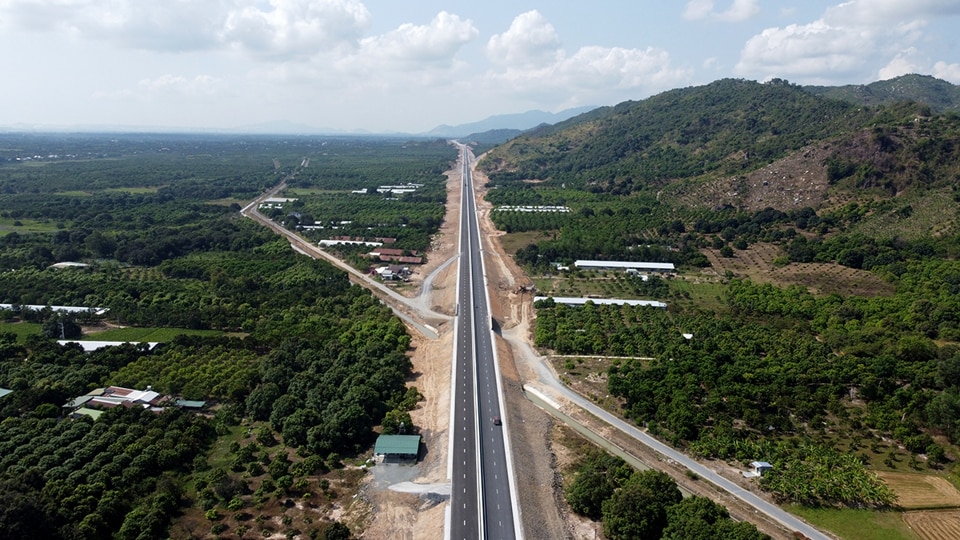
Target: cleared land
x: 930, y: 525
x: 922, y: 491
x: 757, y: 263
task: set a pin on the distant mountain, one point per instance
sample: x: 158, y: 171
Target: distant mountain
x: 940, y: 95
x: 519, y: 121
x: 492, y: 137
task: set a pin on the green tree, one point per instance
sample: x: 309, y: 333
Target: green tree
x: 639, y: 508
x: 336, y: 531
x: 699, y: 518
x: 596, y: 480
x: 61, y: 326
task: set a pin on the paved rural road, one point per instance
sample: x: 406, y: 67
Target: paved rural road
x: 547, y: 377
x: 414, y: 311
x: 482, y: 501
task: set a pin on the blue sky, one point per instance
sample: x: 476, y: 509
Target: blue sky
x: 409, y: 65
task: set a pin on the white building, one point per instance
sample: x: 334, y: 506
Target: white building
x: 626, y: 265
x: 570, y: 301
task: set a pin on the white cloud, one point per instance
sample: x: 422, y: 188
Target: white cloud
x: 529, y: 62
x: 274, y: 28
x: 947, y: 72
x: 171, y: 25
x: 887, y: 12
x: 418, y: 45
x: 854, y: 39
x: 296, y: 28
x: 598, y: 71
x: 740, y: 10
x: 804, y: 50
x: 530, y: 42
x: 902, y: 64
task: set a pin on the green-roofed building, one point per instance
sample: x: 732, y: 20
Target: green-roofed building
x: 397, y: 447
x: 190, y: 404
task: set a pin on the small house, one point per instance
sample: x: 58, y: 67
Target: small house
x: 760, y: 467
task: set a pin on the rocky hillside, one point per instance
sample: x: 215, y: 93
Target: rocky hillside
x: 741, y: 144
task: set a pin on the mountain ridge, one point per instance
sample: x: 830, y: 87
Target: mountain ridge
x: 517, y: 121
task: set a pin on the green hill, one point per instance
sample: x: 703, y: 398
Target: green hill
x: 940, y: 95
x: 742, y: 144
x: 729, y: 126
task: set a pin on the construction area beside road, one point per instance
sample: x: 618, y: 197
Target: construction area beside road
x: 408, y: 502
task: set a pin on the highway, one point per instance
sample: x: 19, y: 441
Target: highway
x: 476, y: 387
x: 482, y: 503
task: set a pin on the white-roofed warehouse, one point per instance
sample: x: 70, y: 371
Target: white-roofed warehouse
x: 626, y: 265
x: 601, y: 301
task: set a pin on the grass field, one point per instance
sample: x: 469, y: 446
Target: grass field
x: 134, y: 189
x: 514, y: 241
x: 851, y: 524
x: 704, y: 294
x: 930, y: 215
x: 147, y: 334
x: 25, y: 226
x: 21, y: 329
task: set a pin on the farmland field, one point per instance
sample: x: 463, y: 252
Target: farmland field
x: 935, y: 525
x: 757, y: 263
x: 855, y: 524
x: 918, y: 491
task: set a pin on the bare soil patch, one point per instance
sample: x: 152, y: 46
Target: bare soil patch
x: 918, y: 491
x: 935, y: 525
x: 794, y: 182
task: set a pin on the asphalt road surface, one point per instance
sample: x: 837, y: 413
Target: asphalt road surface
x: 481, y: 504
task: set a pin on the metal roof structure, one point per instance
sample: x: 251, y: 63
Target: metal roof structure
x: 397, y: 445
x: 91, y: 345
x: 624, y: 265
x: 606, y: 301
x: 64, y: 309
x: 5, y: 391
x: 190, y: 404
